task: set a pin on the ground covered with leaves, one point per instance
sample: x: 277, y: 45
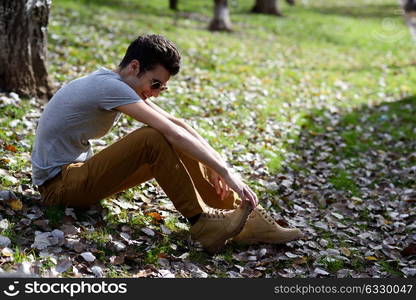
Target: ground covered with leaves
x: 320, y: 121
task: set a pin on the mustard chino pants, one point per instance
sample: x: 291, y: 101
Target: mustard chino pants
x: 141, y: 155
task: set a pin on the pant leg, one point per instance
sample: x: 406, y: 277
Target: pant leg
x: 200, y: 177
x: 112, y: 169
x: 202, y: 181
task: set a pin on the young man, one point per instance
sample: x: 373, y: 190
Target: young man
x: 193, y: 175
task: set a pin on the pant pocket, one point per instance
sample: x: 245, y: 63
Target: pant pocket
x: 74, y: 184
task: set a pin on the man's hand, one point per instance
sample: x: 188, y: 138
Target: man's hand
x: 244, y: 192
x: 221, y: 187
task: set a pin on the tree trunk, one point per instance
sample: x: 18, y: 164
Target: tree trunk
x: 291, y: 2
x: 173, y: 4
x: 410, y: 6
x: 269, y: 7
x: 221, y: 20
x: 23, y: 39
x: 410, y: 16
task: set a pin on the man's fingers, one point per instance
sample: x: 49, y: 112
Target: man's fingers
x: 225, y: 189
x: 217, y: 185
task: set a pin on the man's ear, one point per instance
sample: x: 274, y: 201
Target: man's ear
x: 134, y: 67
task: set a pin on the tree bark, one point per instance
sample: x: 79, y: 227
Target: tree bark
x: 221, y: 20
x: 23, y: 40
x: 173, y: 4
x: 410, y: 6
x: 269, y: 7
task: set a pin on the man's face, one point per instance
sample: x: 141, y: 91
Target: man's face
x: 150, y: 83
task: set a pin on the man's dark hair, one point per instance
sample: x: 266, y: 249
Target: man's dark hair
x: 151, y: 50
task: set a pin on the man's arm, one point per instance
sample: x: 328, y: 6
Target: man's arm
x: 220, y: 185
x: 186, y: 142
x: 184, y: 125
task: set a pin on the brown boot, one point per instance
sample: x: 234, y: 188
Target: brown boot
x: 262, y: 228
x: 215, y: 226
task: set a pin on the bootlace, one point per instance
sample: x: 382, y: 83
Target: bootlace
x: 217, y: 212
x: 266, y: 216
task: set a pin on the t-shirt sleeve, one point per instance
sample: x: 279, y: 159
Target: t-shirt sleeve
x: 117, y: 93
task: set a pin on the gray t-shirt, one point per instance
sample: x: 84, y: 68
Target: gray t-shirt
x: 81, y: 110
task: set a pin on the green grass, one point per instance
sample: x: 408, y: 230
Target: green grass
x: 9, y: 232
x: 391, y: 267
x: 357, y: 50
x: 333, y: 264
x: 100, y: 236
x: 342, y: 181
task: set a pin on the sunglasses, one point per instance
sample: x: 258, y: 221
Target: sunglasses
x: 157, y: 85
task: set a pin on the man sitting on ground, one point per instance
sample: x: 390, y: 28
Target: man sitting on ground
x: 193, y: 175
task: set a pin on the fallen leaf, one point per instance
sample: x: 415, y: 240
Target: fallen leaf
x: 7, y: 195
x: 42, y: 224
x: 69, y: 229
x: 155, y: 215
x: 42, y: 241
x: 88, y: 256
x: 4, y: 241
x: 6, y: 252
x: 144, y: 273
x: 409, y: 250
x: 409, y: 271
x: 63, y: 265
x: 15, y: 204
x: 372, y: 258
x: 10, y: 148
x: 148, y: 231
x: 345, y: 251
x: 98, y: 271
x: 320, y: 271
x: 79, y: 247
x: 301, y: 260
x: 291, y: 255
x: 117, y: 260
x: 163, y: 255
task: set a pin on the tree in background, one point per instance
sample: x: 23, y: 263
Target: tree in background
x: 269, y: 7
x: 409, y: 7
x: 221, y: 20
x: 173, y: 4
x: 23, y: 38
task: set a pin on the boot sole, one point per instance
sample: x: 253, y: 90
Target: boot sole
x: 270, y: 242
x: 221, y: 243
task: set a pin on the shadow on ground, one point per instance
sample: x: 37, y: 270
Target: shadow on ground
x: 351, y: 185
x: 376, y: 11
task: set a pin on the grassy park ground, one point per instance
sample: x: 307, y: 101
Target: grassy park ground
x: 316, y: 109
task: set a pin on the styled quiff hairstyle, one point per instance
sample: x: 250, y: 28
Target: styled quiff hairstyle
x: 151, y: 50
